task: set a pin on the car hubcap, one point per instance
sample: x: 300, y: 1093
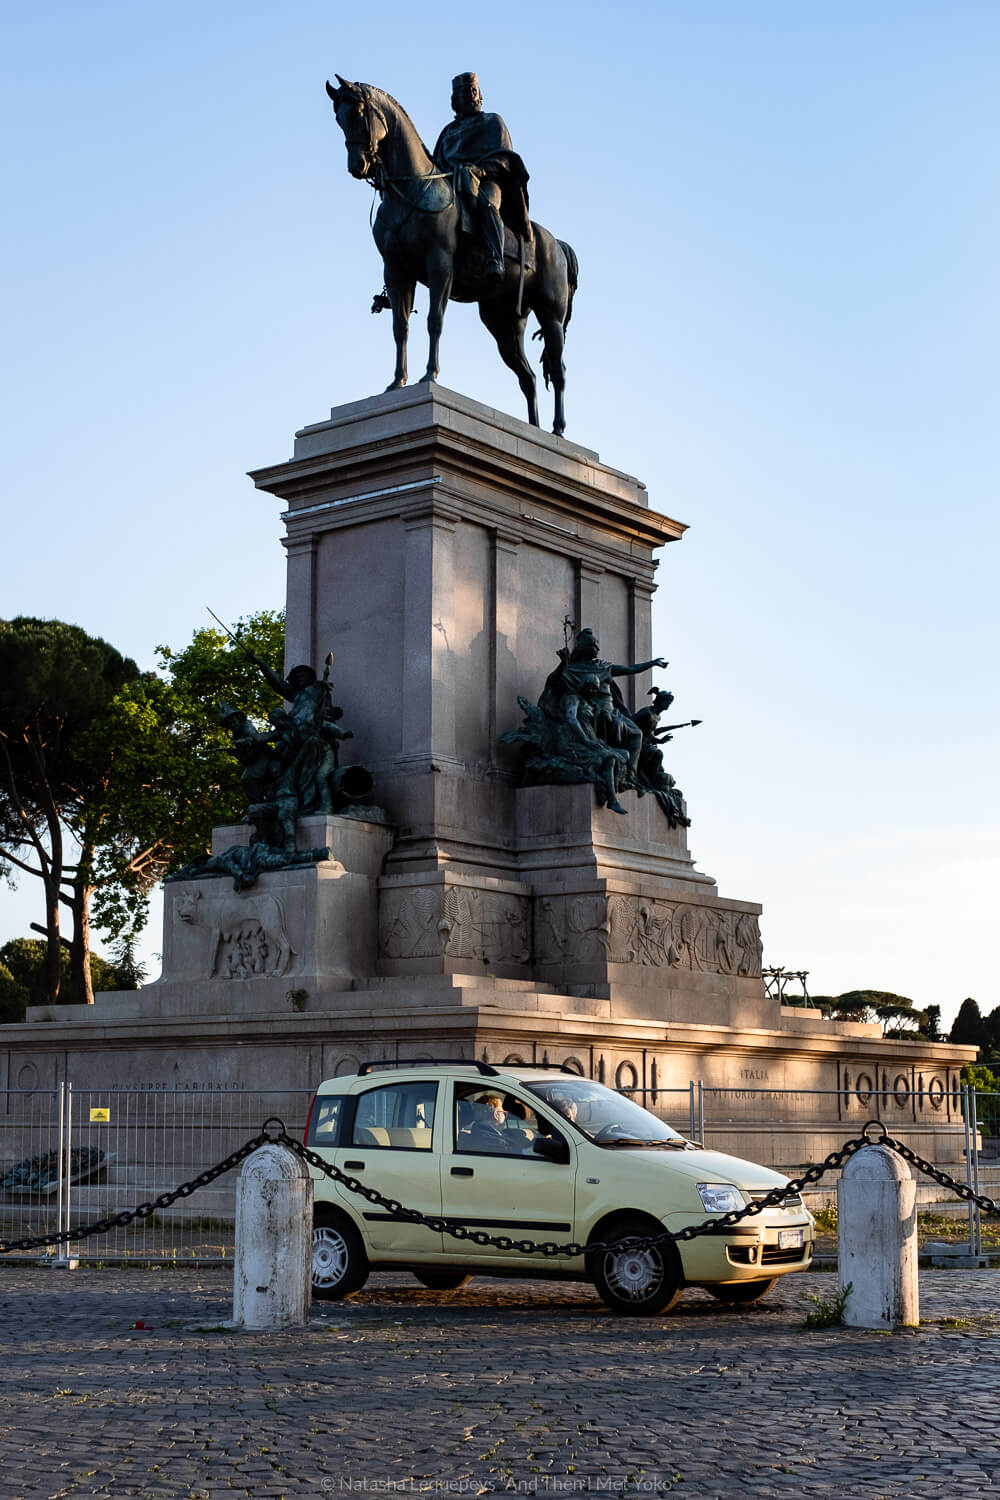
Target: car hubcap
x: 329, y: 1258
x: 634, y: 1274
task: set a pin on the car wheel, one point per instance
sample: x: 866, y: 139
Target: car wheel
x: 339, y: 1262
x: 441, y: 1281
x: 638, y: 1283
x: 741, y: 1291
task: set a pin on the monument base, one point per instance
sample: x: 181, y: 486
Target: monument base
x: 443, y: 549
x: 784, y: 1093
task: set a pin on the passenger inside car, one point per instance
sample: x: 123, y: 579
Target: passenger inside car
x: 565, y: 1105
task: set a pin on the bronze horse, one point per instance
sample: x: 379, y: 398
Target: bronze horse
x: 418, y: 230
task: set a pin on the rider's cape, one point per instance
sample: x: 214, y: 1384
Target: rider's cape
x: 483, y: 141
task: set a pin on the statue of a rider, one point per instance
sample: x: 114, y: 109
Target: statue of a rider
x: 491, y: 175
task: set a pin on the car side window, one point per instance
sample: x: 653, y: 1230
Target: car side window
x: 399, y: 1117
x: 493, y: 1123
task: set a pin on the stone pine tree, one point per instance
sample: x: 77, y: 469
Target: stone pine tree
x: 55, y: 679
x: 111, y: 778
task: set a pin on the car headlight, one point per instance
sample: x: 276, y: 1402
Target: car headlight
x: 720, y: 1197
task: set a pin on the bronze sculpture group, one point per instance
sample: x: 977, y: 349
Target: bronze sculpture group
x: 457, y: 221
x: 581, y: 730
x: 288, y: 771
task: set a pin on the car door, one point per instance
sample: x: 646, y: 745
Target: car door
x: 503, y: 1187
x: 390, y: 1137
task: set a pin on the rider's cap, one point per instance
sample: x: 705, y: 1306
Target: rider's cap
x: 465, y: 80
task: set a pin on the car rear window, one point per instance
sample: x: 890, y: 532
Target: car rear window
x: 399, y: 1117
x: 325, y: 1120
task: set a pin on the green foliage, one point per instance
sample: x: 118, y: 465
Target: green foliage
x: 895, y: 1012
x: 134, y: 767
x: 131, y: 973
x: 967, y: 1027
x: 55, y: 680
x: 828, y: 1312
x: 875, y: 998
x: 14, y: 997
x: 56, y: 675
x: 932, y: 1026
x: 979, y: 1077
x: 23, y: 960
x: 827, y: 1219
x: 172, y: 774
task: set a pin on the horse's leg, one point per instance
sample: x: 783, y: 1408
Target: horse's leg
x: 500, y: 317
x: 400, y: 287
x: 440, y: 274
x: 552, y: 362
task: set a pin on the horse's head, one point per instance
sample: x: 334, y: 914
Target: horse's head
x: 362, y: 122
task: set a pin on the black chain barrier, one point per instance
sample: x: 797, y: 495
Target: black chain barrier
x: 278, y: 1136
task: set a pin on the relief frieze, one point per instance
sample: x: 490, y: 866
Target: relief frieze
x: 454, y: 922
x: 621, y: 929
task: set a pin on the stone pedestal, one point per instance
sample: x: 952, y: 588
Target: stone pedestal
x: 294, y: 935
x: 437, y: 547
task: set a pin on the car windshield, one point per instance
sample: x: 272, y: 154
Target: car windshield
x: 607, y: 1118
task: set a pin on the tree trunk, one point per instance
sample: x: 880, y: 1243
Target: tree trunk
x: 79, y: 953
x: 52, y: 880
x: 53, y: 947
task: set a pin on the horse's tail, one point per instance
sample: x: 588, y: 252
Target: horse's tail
x: 573, y: 274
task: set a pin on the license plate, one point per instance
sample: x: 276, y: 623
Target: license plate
x: 790, y: 1239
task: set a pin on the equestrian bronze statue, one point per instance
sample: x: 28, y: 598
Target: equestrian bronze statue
x: 457, y: 221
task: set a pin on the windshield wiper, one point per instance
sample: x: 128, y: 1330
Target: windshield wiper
x: 624, y: 1140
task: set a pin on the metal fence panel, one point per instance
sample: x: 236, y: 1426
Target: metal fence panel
x: 31, y: 1178
x: 134, y: 1144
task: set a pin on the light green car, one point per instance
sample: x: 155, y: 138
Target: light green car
x: 541, y: 1155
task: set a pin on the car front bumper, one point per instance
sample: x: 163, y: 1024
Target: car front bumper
x: 749, y: 1251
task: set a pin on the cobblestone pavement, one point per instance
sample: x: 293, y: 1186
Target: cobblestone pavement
x: 526, y: 1386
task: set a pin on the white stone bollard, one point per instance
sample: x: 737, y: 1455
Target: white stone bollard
x: 877, y: 1240
x: 272, y: 1284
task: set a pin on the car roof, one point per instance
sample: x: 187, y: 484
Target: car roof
x: 421, y: 1069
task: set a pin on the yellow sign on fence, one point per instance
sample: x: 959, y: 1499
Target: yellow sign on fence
x: 100, y: 1117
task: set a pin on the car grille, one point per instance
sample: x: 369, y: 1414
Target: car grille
x: 772, y: 1256
x: 793, y: 1201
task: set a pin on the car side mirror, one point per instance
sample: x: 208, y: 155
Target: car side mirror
x: 552, y: 1147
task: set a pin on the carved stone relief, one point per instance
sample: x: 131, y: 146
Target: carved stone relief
x: 455, y: 922
x: 247, y: 934
x: 632, y: 930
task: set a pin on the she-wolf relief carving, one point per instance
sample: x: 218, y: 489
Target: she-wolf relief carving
x: 248, y: 938
x: 653, y: 933
x: 454, y: 922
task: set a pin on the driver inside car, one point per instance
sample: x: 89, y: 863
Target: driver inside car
x: 491, y: 1131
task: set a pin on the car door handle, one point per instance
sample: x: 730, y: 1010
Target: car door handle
x: 462, y: 1172
x: 354, y: 1166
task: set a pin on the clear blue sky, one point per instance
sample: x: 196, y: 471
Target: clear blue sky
x: 787, y: 324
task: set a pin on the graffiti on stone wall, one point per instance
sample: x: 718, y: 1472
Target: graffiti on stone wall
x: 643, y: 930
x: 455, y: 922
